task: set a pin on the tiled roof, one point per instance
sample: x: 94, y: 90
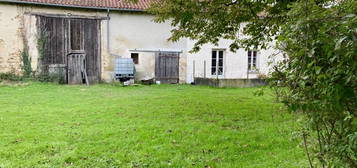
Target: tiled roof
x: 112, y: 4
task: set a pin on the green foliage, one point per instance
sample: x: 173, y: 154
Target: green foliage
x: 41, y: 42
x: 208, y: 21
x: 53, y: 78
x: 10, y: 77
x: 26, y: 63
x: 48, y: 125
x: 317, y: 76
x: 42, y: 77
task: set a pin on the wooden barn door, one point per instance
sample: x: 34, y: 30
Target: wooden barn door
x: 92, y: 49
x: 167, y: 67
x: 52, y: 46
x: 67, y: 38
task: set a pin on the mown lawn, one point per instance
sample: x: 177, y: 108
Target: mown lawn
x: 48, y: 125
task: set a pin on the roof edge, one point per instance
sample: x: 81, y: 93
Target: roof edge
x: 73, y: 6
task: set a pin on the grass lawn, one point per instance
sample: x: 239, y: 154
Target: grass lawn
x: 48, y: 125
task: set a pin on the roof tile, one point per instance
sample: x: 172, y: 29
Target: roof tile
x: 114, y: 4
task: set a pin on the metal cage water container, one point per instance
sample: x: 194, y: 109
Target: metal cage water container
x: 124, y: 69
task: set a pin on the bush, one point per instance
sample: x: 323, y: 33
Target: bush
x: 10, y: 77
x: 41, y: 78
x: 26, y: 63
x: 318, y: 78
x: 45, y: 77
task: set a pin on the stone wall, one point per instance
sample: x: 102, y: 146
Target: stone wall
x: 230, y: 83
x: 11, y: 43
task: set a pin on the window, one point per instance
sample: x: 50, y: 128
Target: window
x: 217, y: 62
x: 252, y: 60
x: 76, y: 35
x: 135, y: 57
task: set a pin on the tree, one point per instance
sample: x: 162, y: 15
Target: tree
x: 210, y: 20
x: 317, y: 76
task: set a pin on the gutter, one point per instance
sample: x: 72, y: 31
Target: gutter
x: 73, y: 6
x: 108, y: 36
x: 108, y: 31
x: 156, y: 50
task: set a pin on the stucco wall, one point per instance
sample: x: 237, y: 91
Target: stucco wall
x: 128, y: 32
x: 11, y: 43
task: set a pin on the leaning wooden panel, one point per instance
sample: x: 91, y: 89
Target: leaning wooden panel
x: 76, y: 67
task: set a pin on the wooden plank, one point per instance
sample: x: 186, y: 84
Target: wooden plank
x: 163, y: 65
x: 98, y: 46
x: 56, y: 27
x: 167, y: 67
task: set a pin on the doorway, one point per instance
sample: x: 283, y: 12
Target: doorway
x: 167, y: 67
x: 72, y: 47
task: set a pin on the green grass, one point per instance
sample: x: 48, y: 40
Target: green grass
x: 47, y: 125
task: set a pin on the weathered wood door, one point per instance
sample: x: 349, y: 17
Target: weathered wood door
x: 76, y: 68
x: 167, y: 67
x: 61, y: 37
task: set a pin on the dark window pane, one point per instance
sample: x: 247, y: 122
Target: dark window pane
x: 220, y: 63
x: 135, y: 57
x: 220, y: 54
x: 220, y: 71
x: 213, y: 70
x: 214, y: 54
x: 76, y: 34
x: 255, y: 59
x: 249, y: 60
x: 214, y: 62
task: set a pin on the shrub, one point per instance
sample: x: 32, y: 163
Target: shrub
x: 318, y: 78
x: 26, y: 63
x: 10, y: 77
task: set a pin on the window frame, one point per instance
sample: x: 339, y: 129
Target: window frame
x: 137, y: 62
x: 215, y: 69
x: 81, y: 36
x: 253, y: 66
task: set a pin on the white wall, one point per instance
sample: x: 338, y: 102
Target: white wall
x: 130, y: 31
x: 235, y: 63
